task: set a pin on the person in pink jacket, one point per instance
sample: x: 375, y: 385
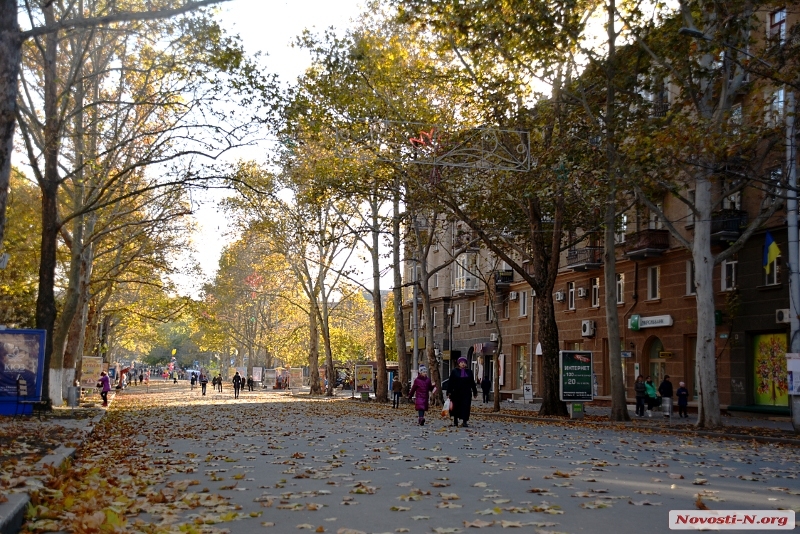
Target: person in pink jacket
x: 421, y: 390
x: 105, y: 387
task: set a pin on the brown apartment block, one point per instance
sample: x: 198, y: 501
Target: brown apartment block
x: 655, y: 303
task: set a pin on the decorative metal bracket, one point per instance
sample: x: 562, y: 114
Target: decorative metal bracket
x: 483, y: 147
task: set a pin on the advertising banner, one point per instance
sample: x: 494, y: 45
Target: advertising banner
x: 269, y: 376
x: 91, y: 367
x: 575, y: 371
x: 257, y: 374
x: 364, y: 378
x: 21, y: 356
x: 296, y: 377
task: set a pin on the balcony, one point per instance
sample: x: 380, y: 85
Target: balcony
x: 726, y: 225
x: 465, y: 286
x: 646, y: 244
x: 503, y: 279
x: 585, y: 259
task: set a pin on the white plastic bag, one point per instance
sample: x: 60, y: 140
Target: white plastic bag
x: 446, y: 408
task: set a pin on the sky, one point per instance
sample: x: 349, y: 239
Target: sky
x: 268, y: 27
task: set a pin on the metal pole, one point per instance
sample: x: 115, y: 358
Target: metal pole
x: 791, y: 221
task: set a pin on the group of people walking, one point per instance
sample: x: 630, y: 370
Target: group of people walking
x: 646, y: 393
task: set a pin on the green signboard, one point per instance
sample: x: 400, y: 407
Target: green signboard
x: 575, y: 369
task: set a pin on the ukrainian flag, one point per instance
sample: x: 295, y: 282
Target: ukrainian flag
x: 771, y: 251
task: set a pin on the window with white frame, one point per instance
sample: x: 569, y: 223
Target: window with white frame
x: 570, y: 295
x: 489, y: 314
x: 728, y: 274
x: 775, y: 111
x: 594, y: 287
x: 653, y: 282
x: 463, y: 279
x: 523, y: 303
x: 772, y: 274
x: 435, y: 280
x: 655, y: 222
x: 691, y: 285
x: 506, y: 309
x: 457, y: 315
x: 777, y: 26
x: 622, y: 229
x: 472, y: 308
x: 435, y: 316
x: 620, y: 288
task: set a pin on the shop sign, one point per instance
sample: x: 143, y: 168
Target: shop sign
x: 637, y: 322
x: 575, y: 370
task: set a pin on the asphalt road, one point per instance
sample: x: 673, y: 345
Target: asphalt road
x: 272, y: 463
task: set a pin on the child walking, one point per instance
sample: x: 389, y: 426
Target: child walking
x: 421, y: 391
x: 683, y: 399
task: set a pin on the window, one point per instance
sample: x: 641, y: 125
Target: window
x: 521, y: 357
x: 472, y: 307
x: 523, y: 304
x: 773, y: 272
x: 506, y: 309
x: 775, y: 110
x: 736, y: 118
x: 489, y: 314
x: 463, y: 280
x: 728, y: 275
x: 570, y: 295
x: 690, y: 196
x: 436, y: 280
x: 777, y: 26
x: 457, y: 315
x: 622, y: 229
x: 594, y: 284
x: 691, y: 285
x: 653, y: 289
x: 620, y: 288
x: 655, y: 222
x: 435, y: 315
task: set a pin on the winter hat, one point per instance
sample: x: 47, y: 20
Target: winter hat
x: 462, y: 359
x: 681, y: 384
x: 423, y: 369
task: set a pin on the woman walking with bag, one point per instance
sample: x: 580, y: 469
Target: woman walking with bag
x: 460, y: 384
x: 421, y: 391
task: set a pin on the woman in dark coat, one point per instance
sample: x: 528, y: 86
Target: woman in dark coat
x: 460, y: 384
x: 420, y: 391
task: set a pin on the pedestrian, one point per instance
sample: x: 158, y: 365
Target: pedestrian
x: 192, y: 381
x: 665, y: 390
x: 486, y: 388
x: 397, y: 391
x: 460, y: 384
x: 219, y: 383
x: 203, y: 382
x: 237, y: 384
x: 683, y: 399
x: 141, y: 377
x: 641, y: 393
x: 250, y: 383
x: 105, y: 386
x: 421, y: 390
x: 652, y: 394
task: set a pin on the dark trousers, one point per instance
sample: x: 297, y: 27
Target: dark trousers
x: 682, y: 410
x: 104, y: 394
x: 651, y: 403
x: 640, y: 406
x: 486, y: 396
x: 235, y: 392
x: 396, y: 399
x: 203, y: 387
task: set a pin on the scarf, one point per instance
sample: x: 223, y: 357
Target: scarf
x: 464, y: 373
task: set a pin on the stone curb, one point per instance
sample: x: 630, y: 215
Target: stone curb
x: 12, y: 512
x: 666, y: 429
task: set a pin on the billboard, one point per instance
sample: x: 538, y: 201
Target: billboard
x: 364, y: 377
x: 296, y: 377
x: 21, y: 356
x: 257, y: 374
x: 575, y: 376
x: 269, y: 376
x: 91, y: 367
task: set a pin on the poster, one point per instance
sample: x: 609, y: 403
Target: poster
x: 364, y: 378
x: 91, y: 367
x: 793, y: 368
x: 257, y: 374
x: 770, y: 379
x: 21, y: 356
x: 296, y: 377
x: 270, y: 375
x: 575, y: 376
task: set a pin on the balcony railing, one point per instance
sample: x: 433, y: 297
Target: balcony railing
x: 585, y: 259
x: 727, y: 225
x: 646, y: 244
x: 467, y: 285
x: 503, y: 278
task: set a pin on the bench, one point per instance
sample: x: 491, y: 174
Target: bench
x: 38, y: 405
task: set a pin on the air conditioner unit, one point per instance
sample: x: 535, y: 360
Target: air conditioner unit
x: 782, y: 316
x: 513, y: 295
x: 582, y: 292
x: 492, y: 337
x: 559, y: 296
x: 587, y: 328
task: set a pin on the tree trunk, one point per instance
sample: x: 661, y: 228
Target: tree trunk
x: 382, y: 395
x: 708, y: 394
x: 397, y: 293
x: 313, y: 354
x: 548, y: 337
x: 10, y: 59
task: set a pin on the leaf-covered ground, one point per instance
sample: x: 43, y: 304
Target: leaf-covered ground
x: 170, y: 460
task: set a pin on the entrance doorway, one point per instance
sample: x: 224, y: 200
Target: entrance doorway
x: 657, y: 365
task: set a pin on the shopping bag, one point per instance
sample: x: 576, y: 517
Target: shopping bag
x: 446, y: 408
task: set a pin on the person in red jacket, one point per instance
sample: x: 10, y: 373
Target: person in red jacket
x: 420, y: 391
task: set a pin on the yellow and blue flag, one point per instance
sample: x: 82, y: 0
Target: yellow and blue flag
x: 771, y: 251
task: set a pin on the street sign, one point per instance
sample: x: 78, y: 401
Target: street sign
x: 575, y: 371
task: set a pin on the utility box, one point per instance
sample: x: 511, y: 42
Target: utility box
x: 575, y: 410
x: 365, y: 395
x: 73, y: 396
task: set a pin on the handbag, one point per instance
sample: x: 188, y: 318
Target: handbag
x: 98, y: 385
x: 446, y: 407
